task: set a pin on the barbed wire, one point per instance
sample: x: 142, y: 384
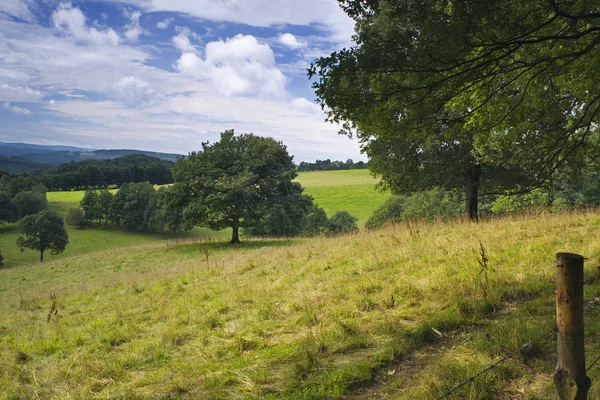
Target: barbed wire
x: 503, y: 359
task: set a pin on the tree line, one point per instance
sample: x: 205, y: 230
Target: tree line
x: 328, y: 165
x: 104, y: 173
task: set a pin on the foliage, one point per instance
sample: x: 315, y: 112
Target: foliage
x: 341, y: 223
x: 14, y: 184
x: 104, y: 200
x: 233, y: 182
x: 102, y: 173
x: 133, y: 206
x: 328, y: 165
x: 465, y: 95
x: 30, y: 202
x: 9, y: 212
x: 43, y: 231
x: 76, y: 218
x: 170, y: 203
x: 426, y: 205
x: 390, y: 212
x: 316, y: 221
x: 89, y: 205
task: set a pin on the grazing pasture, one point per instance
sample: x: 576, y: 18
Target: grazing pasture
x: 405, y: 312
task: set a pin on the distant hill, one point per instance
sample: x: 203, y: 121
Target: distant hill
x: 26, y: 158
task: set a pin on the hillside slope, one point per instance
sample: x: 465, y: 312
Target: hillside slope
x: 405, y: 312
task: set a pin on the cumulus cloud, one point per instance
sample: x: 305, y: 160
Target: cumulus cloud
x: 133, y: 30
x: 182, y: 40
x: 289, y: 40
x: 72, y: 21
x: 165, y: 23
x: 136, y: 91
x: 16, y: 110
x: 239, y: 65
x: 18, y: 93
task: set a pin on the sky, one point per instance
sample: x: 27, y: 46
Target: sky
x: 167, y: 75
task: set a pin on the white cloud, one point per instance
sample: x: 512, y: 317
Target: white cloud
x: 164, y: 24
x: 289, y: 40
x: 18, y: 93
x: 16, y: 110
x: 264, y: 13
x: 182, y: 40
x: 239, y: 65
x: 133, y: 30
x: 16, y: 8
x: 72, y: 21
x: 51, y: 101
x: 136, y: 91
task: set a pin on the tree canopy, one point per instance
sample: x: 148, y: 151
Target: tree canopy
x: 237, y: 181
x: 466, y: 94
x: 43, y: 231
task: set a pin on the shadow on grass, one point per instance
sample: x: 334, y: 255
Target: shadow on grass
x: 200, y: 247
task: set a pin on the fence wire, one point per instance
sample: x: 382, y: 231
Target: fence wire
x: 521, y: 348
x: 592, y: 303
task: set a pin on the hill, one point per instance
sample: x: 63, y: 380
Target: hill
x: 402, y: 313
x: 21, y: 157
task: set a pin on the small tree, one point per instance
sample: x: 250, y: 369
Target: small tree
x: 75, y: 218
x: 43, y: 231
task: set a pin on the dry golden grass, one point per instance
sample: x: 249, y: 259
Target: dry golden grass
x: 319, y: 318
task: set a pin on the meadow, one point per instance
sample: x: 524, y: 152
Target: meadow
x: 352, y: 191
x: 405, y: 312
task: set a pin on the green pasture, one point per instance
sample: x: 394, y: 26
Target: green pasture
x: 353, y: 191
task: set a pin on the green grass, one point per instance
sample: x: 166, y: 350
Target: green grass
x: 353, y: 191
x: 310, y: 319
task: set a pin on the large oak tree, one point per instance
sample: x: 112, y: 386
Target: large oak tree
x: 493, y: 94
x: 236, y: 181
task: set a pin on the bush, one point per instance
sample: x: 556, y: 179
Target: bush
x: 390, y: 212
x: 316, y: 221
x: 342, y: 222
x: 75, y: 218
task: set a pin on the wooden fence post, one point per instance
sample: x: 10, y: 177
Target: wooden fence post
x: 570, y: 378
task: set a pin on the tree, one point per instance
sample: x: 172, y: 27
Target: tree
x: 104, y: 200
x: 9, y: 212
x: 89, y: 205
x: 233, y: 182
x: 466, y: 95
x: 30, y: 202
x: 170, y: 204
x: 43, y: 231
x: 133, y: 206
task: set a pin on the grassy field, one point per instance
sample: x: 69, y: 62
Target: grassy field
x: 353, y: 191
x: 401, y: 313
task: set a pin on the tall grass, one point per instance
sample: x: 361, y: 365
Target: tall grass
x: 400, y: 312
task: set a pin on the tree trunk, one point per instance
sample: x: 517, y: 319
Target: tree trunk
x: 42, y: 256
x: 472, y: 192
x: 235, y: 236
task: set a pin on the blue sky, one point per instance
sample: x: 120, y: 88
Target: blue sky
x: 166, y: 75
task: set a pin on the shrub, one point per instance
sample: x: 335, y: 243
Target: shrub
x: 316, y: 221
x: 342, y: 222
x: 389, y: 212
x: 30, y: 202
x: 75, y: 218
